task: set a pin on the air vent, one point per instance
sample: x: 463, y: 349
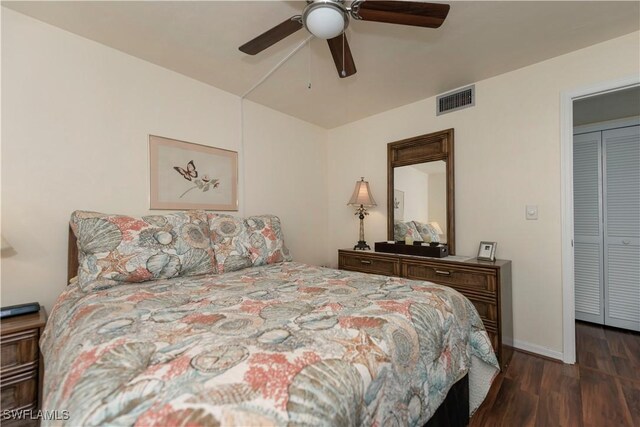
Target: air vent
x: 456, y: 100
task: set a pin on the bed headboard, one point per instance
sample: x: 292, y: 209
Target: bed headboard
x: 72, y: 256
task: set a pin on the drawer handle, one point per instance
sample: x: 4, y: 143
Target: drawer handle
x: 19, y: 378
x: 7, y: 369
x: 20, y: 336
x: 364, y: 261
x: 443, y: 272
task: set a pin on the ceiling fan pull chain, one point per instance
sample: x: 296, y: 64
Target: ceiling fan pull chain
x: 309, y: 46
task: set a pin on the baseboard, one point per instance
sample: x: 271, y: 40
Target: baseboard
x: 537, y: 349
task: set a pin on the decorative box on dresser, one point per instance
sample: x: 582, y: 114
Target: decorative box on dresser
x: 22, y: 367
x: 486, y: 284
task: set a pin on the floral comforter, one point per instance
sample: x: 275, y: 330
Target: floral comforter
x: 285, y: 344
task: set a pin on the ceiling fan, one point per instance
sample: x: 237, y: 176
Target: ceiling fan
x: 328, y: 19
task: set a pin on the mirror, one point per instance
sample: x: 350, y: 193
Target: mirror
x: 420, y: 189
x: 420, y: 195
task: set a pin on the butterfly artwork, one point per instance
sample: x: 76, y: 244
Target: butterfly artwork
x: 188, y: 173
x: 186, y: 176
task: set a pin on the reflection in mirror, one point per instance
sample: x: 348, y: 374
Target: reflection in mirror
x: 420, y: 202
x: 414, y: 169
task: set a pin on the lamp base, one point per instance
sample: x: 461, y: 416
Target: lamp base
x: 362, y: 245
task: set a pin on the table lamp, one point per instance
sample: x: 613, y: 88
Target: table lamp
x: 363, y: 199
x: 5, y: 247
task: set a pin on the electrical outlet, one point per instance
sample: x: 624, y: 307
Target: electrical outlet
x: 531, y: 212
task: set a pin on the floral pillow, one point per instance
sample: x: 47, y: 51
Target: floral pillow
x: 115, y: 248
x: 403, y: 229
x: 266, y: 241
x: 428, y: 233
x: 229, y: 237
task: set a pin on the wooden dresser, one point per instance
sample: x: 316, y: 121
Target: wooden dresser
x: 22, y: 367
x: 487, y: 284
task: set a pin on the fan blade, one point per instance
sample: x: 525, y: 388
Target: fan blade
x: 272, y: 36
x: 430, y: 15
x: 335, y: 45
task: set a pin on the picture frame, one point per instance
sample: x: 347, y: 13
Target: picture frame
x: 487, y: 251
x: 398, y: 205
x: 184, y: 176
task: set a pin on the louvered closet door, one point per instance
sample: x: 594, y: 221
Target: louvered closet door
x: 588, y: 236
x: 622, y: 227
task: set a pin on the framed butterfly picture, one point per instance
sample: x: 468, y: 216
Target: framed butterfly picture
x: 192, y: 176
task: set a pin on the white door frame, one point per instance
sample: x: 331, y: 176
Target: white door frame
x: 566, y: 194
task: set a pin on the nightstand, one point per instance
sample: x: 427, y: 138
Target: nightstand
x: 22, y: 367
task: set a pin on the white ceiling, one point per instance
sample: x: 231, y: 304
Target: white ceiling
x: 396, y: 64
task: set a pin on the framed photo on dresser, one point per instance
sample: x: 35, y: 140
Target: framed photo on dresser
x: 487, y: 251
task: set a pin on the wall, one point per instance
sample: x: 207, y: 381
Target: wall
x: 416, y: 201
x: 507, y: 154
x: 76, y: 116
x: 286, y: 174
x: 438, y: 194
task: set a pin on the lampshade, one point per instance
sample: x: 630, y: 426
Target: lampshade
x: 5, y: 245
x: 362, y: 195
x: 436, y: 227
x: 325, y: 19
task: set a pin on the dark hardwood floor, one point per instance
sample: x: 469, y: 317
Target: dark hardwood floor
x: 602, y: 389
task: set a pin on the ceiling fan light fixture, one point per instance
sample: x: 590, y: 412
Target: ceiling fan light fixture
x: 325, y: 19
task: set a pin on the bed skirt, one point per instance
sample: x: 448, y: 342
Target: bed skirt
x: 454, y: 411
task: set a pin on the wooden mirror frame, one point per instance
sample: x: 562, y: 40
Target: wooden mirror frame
x: 421, y: 149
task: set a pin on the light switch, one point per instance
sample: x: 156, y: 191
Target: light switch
x: 532, y: 212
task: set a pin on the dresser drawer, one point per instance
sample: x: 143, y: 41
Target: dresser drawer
x: 19, y: 352
x: 21, y: 366
x: 493, y: 337
x: 22, y: 422
x: 367, y: 263
x: 481, y: 281
x: 486, y: 309
x: 20, y: 390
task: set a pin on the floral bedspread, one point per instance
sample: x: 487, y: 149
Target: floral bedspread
x: 284, y: 344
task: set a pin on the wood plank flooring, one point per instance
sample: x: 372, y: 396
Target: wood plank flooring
x: 602, y: 389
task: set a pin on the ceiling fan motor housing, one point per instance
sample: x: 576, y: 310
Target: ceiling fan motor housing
x: 325, y: 19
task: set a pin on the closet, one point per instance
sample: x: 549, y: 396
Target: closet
x: 606, y: 189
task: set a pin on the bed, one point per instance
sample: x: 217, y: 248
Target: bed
x: 282, y: 343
